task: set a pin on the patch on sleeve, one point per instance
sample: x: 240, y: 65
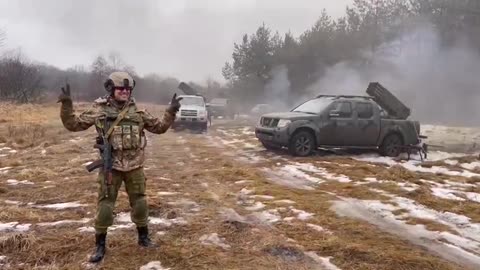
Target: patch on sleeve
x: 100, y: 100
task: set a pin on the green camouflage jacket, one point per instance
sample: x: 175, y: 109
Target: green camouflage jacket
x: 128, y: 138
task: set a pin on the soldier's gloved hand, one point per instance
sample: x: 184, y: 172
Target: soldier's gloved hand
x: 174, y: 104
x: 65, y: 95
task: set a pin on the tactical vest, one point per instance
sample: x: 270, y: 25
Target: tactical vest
x: 128, y: 134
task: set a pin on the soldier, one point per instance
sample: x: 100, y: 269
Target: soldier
x: 128, y: 142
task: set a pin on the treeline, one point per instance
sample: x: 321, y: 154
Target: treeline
x: 24, y: 81
x: 364, y: 34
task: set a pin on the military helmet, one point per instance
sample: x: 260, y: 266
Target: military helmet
x: 119, y: 79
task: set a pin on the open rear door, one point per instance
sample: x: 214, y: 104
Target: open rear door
x: 393, y: 106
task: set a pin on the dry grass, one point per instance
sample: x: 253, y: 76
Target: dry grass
x: 430, y: 225
x: 211, y: 185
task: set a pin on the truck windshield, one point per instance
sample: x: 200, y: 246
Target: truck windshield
x: 314, y: 106
x: 192, y: 101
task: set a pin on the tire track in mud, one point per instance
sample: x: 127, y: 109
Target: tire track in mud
x: 219, y: 200
x: 304, y: 180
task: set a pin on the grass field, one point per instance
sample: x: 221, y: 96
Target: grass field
x: 220, y: 201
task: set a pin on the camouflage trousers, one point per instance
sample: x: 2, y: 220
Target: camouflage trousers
x: 135, y: 187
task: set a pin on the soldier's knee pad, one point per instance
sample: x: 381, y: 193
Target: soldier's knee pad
x: 139, y: 213
x: 104, y: 216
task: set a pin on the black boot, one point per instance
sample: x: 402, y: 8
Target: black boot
x: 143, y: 239
x: 100, y: 248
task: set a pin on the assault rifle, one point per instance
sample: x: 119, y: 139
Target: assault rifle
x: 106, y: 162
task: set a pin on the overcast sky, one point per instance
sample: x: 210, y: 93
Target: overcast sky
x: 188, y: 39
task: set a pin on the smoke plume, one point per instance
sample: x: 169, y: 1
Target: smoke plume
x: 439, y: 84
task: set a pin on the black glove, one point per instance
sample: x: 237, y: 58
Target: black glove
x: 174, y: 104
x: 65, y: 95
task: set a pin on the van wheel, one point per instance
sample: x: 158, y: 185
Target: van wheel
x: 302, y: 144
x: 391, y: 146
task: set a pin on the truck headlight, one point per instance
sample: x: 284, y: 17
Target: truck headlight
x: 202, y: 113
x: 283, y: 123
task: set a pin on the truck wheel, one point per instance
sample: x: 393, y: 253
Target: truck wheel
x: 302, y: 144
x: 391, y: 145
x: 270, y: 146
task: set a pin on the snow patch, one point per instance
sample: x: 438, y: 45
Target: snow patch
x: 63, y: 222
x: 213, y: 240
x: 284, y: 202
x: 268, y: 216
x: 245, y: 191
x: 167, y: 222
x: 155, y: 265
x: 243, y: 182
x: 14, y: 227
x: 446, y: 194
x: 257, y: 206
x: 13, y: 182
x: 324, y: 262
x: 13, y: 202
x: 407, y: 186
x: 288, y: 219
x: 60, y: 206
x: 452, y: 162
x: 166, y: 193
x: 186, y: 204
x: 414, y: 166
x: 86, y: 229
x: 302, y: 215
x: 318, y: 228
x: 380, y: 214
x: 471, y: 166
x: 265, y: 197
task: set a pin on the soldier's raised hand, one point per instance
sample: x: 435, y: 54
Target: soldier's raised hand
x: 174, y: 104
x: 65, y: 95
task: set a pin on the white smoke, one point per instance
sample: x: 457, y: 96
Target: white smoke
x: 439, y: 84
x: 277, y: 90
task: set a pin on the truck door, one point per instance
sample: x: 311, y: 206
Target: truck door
x: 367, y: 125
x: 340, y: 125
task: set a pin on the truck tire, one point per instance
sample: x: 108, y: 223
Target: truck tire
x: 391, y: 145
x: 270, y: 146
x: 302, y: 144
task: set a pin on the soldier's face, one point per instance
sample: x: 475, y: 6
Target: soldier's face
x: 122, y: 94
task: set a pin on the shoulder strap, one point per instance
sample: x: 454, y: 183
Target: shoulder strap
x: 120, y: 116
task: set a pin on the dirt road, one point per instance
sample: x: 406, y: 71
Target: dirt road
x: 220, y: 201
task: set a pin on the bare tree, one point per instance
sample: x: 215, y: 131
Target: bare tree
x: 20, y: 80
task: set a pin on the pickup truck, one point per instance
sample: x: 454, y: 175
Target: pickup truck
x: 193, y: 113
x: 221, y: 107
x: 339, y: 121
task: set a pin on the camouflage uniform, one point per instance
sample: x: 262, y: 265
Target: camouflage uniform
x: 128, y: 142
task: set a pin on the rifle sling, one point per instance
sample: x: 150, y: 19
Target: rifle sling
x: 120, y: 116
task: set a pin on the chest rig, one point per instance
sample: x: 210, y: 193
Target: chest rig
x: 126, y: 134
